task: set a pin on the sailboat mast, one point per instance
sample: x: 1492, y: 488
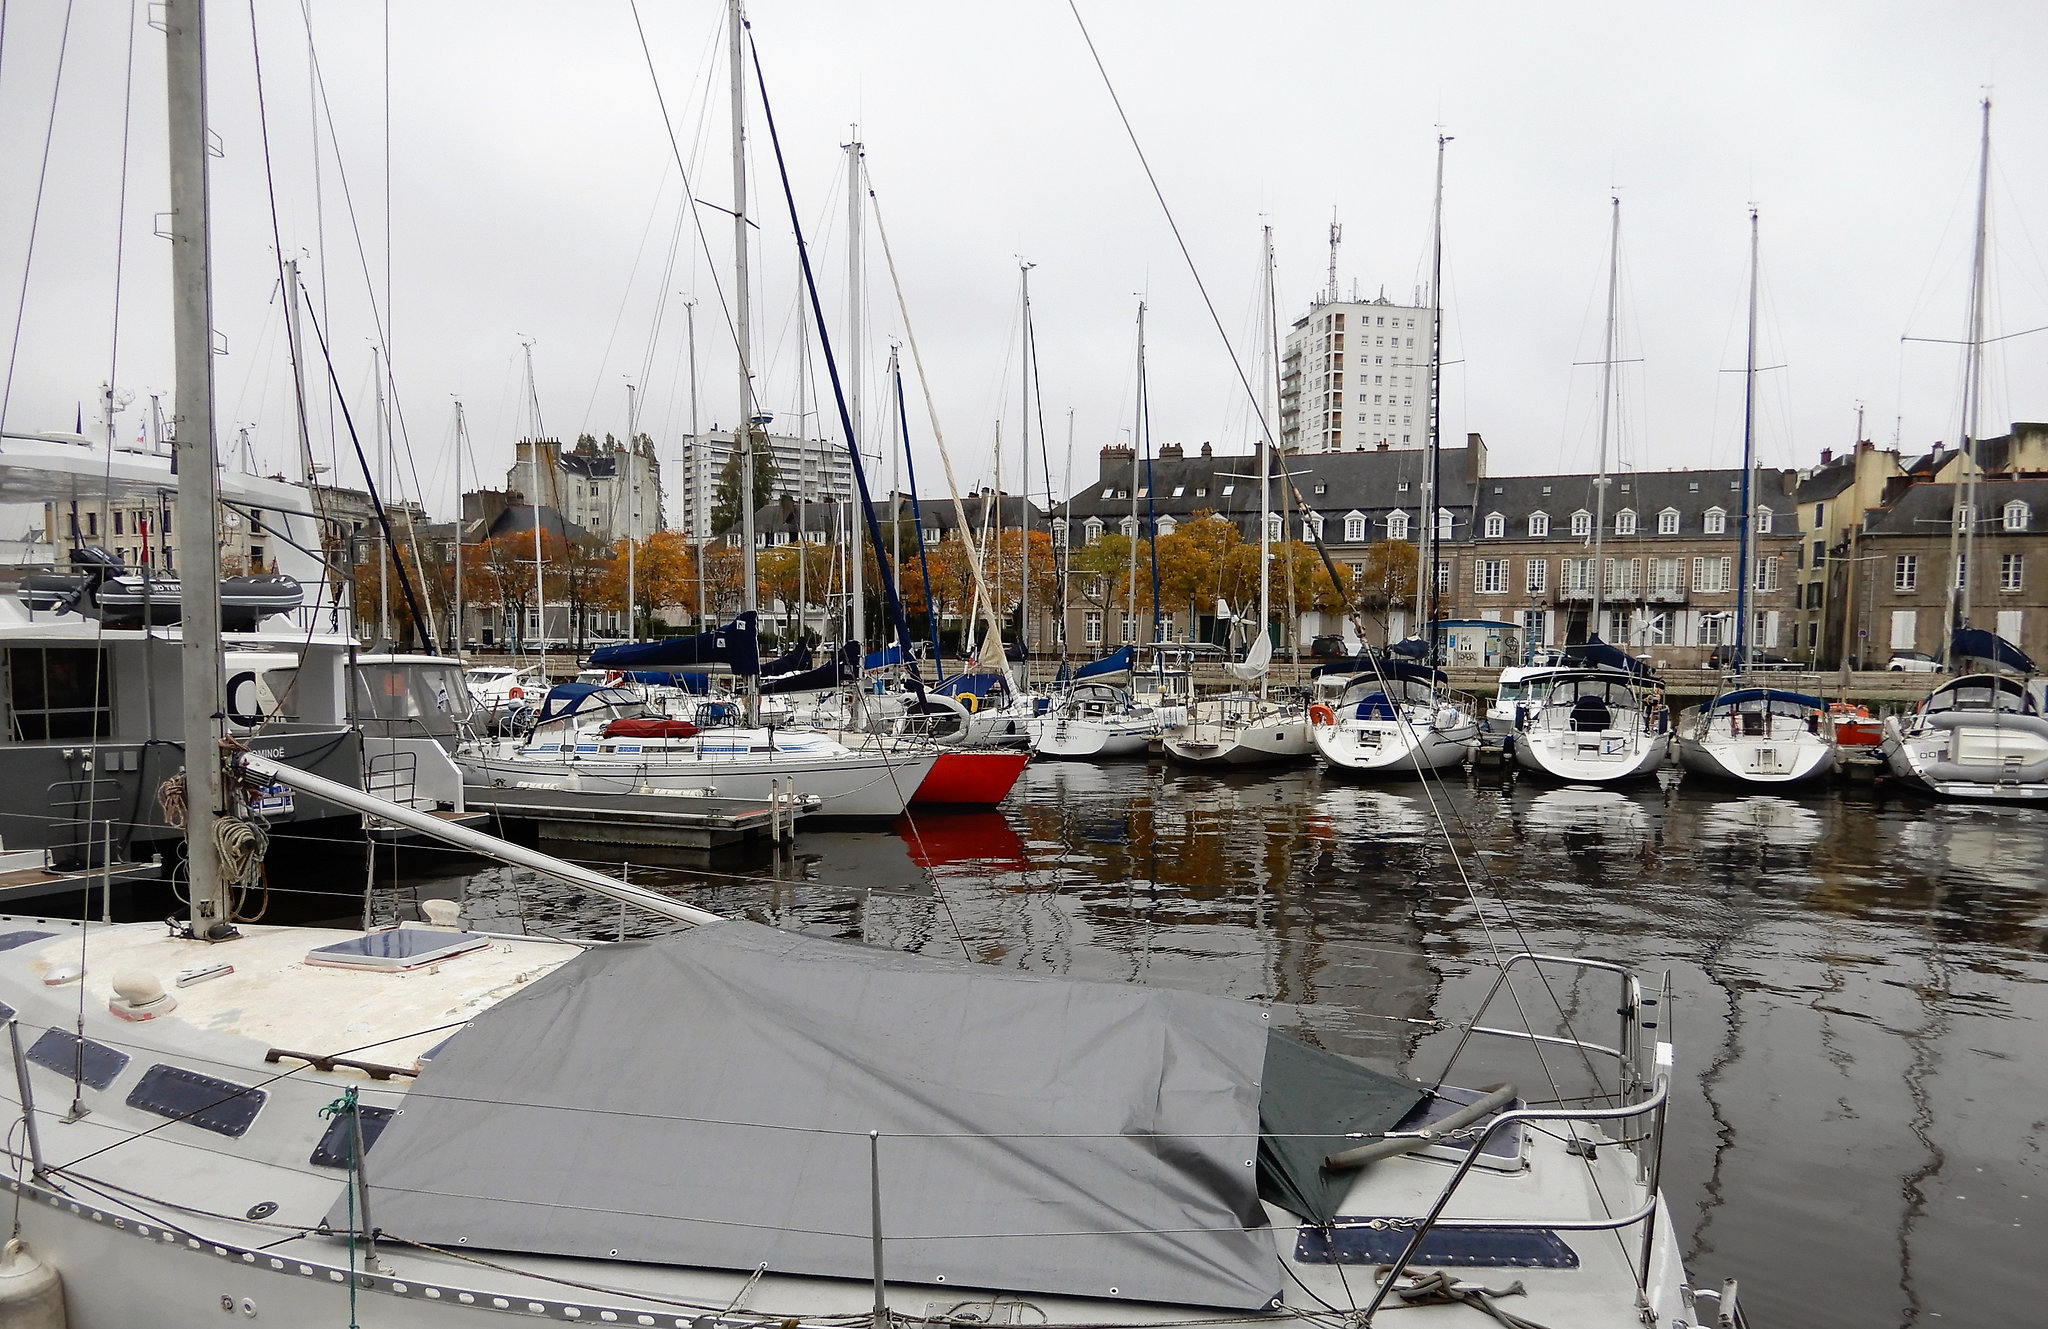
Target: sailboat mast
x: 1433, y: 483
x: 461, y: 437
x: 742, y: 330
x: 1963, y: 530
x: 632, y: 508
x: 1266, y: 303
x: 1137, y: 424
x: 1746, y: 559
x: 1606, y: 405
x: 803, y: 461
x: 856, y: 584
x: 1024, y: 452
x: 384, y: 496
x: 540, y: 588
x: 198, y: 485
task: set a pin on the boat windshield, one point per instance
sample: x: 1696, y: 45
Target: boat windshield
x: 1982, y: 693
x: 433, y: 693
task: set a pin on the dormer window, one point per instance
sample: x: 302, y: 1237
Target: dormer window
x: 1966, y: 516
x: 1059, y: 532
x: 2017, y: 516
x: 1354, y: 528
x: 1539, y: 524
x: 1275, y: 530
x: 1667, y: 522
x: 1166, y: 525
x: 1092, y: 529
x: 1312, y: 526
x: 1443, y: 523
x: 1625, y: 522
x: 1763, y: 521
x: 1496, y: 526
x: 1582, y: 522
x: 1129, y: 527
x: 1716, y: 522
x: 1397, y: 526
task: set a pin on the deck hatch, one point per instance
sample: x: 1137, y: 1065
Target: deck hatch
x: 1381, y: 1241
x: 396, y: 949
x: 58, y: 1050
x: 221, y: 1106
x: 332, y: 1151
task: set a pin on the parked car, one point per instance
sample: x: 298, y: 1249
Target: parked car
x: 1913, y: 662
x: 1724, y: 658
x: 1329, y: 647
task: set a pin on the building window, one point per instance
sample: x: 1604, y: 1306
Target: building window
x: 1660, y: 628
x: 1397, y: 526
x: 1582, y: 522
x: 2012, y: 572
x: 2017, y: 516
x: 1538, y: 576
x: 1059, y: 533
x: 1130, y: 629
x: 1354, y: 528
x: 1711, y: 574
x: 1665, y: 575
x: 1092, y: 529
x: 1490, y: 576
x: 1763, y: 521
x: 1906, y: 572
x: 1711, y: 626
x: 1962, y: 571
x: 1312, y: 526
x: 1716, y: 522
x: 1767, y: 573
x: 1966, y: 516
x: 1275, y: 531
x: 1092, y: 627
x: 1496, y: 526
x: 1539, y: 525
x: 1625, y: 522
x: 1578, y: 575
x: 1667, y: 522
x: 1820, y: 552
x: 1443, y: 578
x: 1357, y: 573
x: 1128, y: 527
x: 1443, y: 523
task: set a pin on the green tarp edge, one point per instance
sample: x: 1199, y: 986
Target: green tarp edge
x: 1309, y: 1102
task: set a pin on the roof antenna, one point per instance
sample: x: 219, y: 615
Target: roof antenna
x: 1336, y: 237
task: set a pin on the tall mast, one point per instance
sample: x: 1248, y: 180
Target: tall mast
x: 1266, y: 304
x: 384, y: 496
x: 1137, y: 423
x: 461, y: 437
x: 1746, y: 559
x: 198, y: 485
x: 803, y: 456
x: 1024, y: 452
x: 1606, y: 402
x: 540, y: 589
x: 292, y: 303
x: 856, y: 585
x: 735, y: 57
x: 701, y: 518
x: 1963, y: 529
x: 1433, y: 476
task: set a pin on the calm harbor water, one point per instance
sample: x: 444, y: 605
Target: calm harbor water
x: 1860, y: 1115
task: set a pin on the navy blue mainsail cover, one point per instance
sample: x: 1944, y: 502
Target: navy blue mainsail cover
x: 737, y: 645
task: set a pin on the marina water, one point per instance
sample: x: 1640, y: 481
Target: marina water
x: 1859, y: 1014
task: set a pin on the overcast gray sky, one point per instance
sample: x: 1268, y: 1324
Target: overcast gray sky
x: 533, y: 191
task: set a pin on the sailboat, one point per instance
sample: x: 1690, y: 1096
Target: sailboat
x: 1605, y: 722
x: 1982, y: 736
x: 1751, y: 732
x: 1395, y: 717
x: 1243, y: 727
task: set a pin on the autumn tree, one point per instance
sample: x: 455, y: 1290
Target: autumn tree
x: 726, y: 511
x: 1386, y: 581
x: 579, y: 571
x: 1100, y: 575
x: 664, y: 572
x: 506, y: 575
x: 724, y: 580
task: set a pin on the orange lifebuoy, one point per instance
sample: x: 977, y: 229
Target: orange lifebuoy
x: 517, y: 694
x: 1319, y: 714
x: 614, y: 678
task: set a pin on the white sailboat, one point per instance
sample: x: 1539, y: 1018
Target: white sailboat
x: 1606, y: 722
x: 1396, y: 718
x: 1753, y: 733
x: 1982, y: 736
x: 1243, y: 727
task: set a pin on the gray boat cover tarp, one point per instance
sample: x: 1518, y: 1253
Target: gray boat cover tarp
x: 705, y: 1099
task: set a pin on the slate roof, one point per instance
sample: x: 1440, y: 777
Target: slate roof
x: 518, y: 519
x: 1828, y: 480
x: 938, y: 514
x: 1647, y: 493
x: 1926, y: 509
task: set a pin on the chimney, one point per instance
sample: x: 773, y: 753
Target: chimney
x: 1826, y: 455
x: 1208, y: 451
x: 1170, y: 451
x: 1116, y: 462
x: 1475, y: 459
x: 1382, y: 446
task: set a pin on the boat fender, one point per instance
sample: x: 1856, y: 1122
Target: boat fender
x: 31, y: 1291
x: 970, y: 703
x: 1393, y: 1146
x: 139, y: 995
x: 1320, y: 714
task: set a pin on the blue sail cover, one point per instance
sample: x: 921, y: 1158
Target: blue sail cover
x: 839, y: 669
x: 1118, y: 663
x: 737, y: 645
x: 569, y: 698
x: 980, y: 685
x: 1743, y: 695
x: 1601, y: 653
x: 696, y: 684
x: 1977, y: 644
x: 888, y: 655
x: 795, y: 662
x: 1415, y: 648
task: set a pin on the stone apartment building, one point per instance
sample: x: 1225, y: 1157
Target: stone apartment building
x: 1833, y: 498
x: 610, y: 490
x: 1516, y: 549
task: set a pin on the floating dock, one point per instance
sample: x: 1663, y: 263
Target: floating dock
x: 704, y: 823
